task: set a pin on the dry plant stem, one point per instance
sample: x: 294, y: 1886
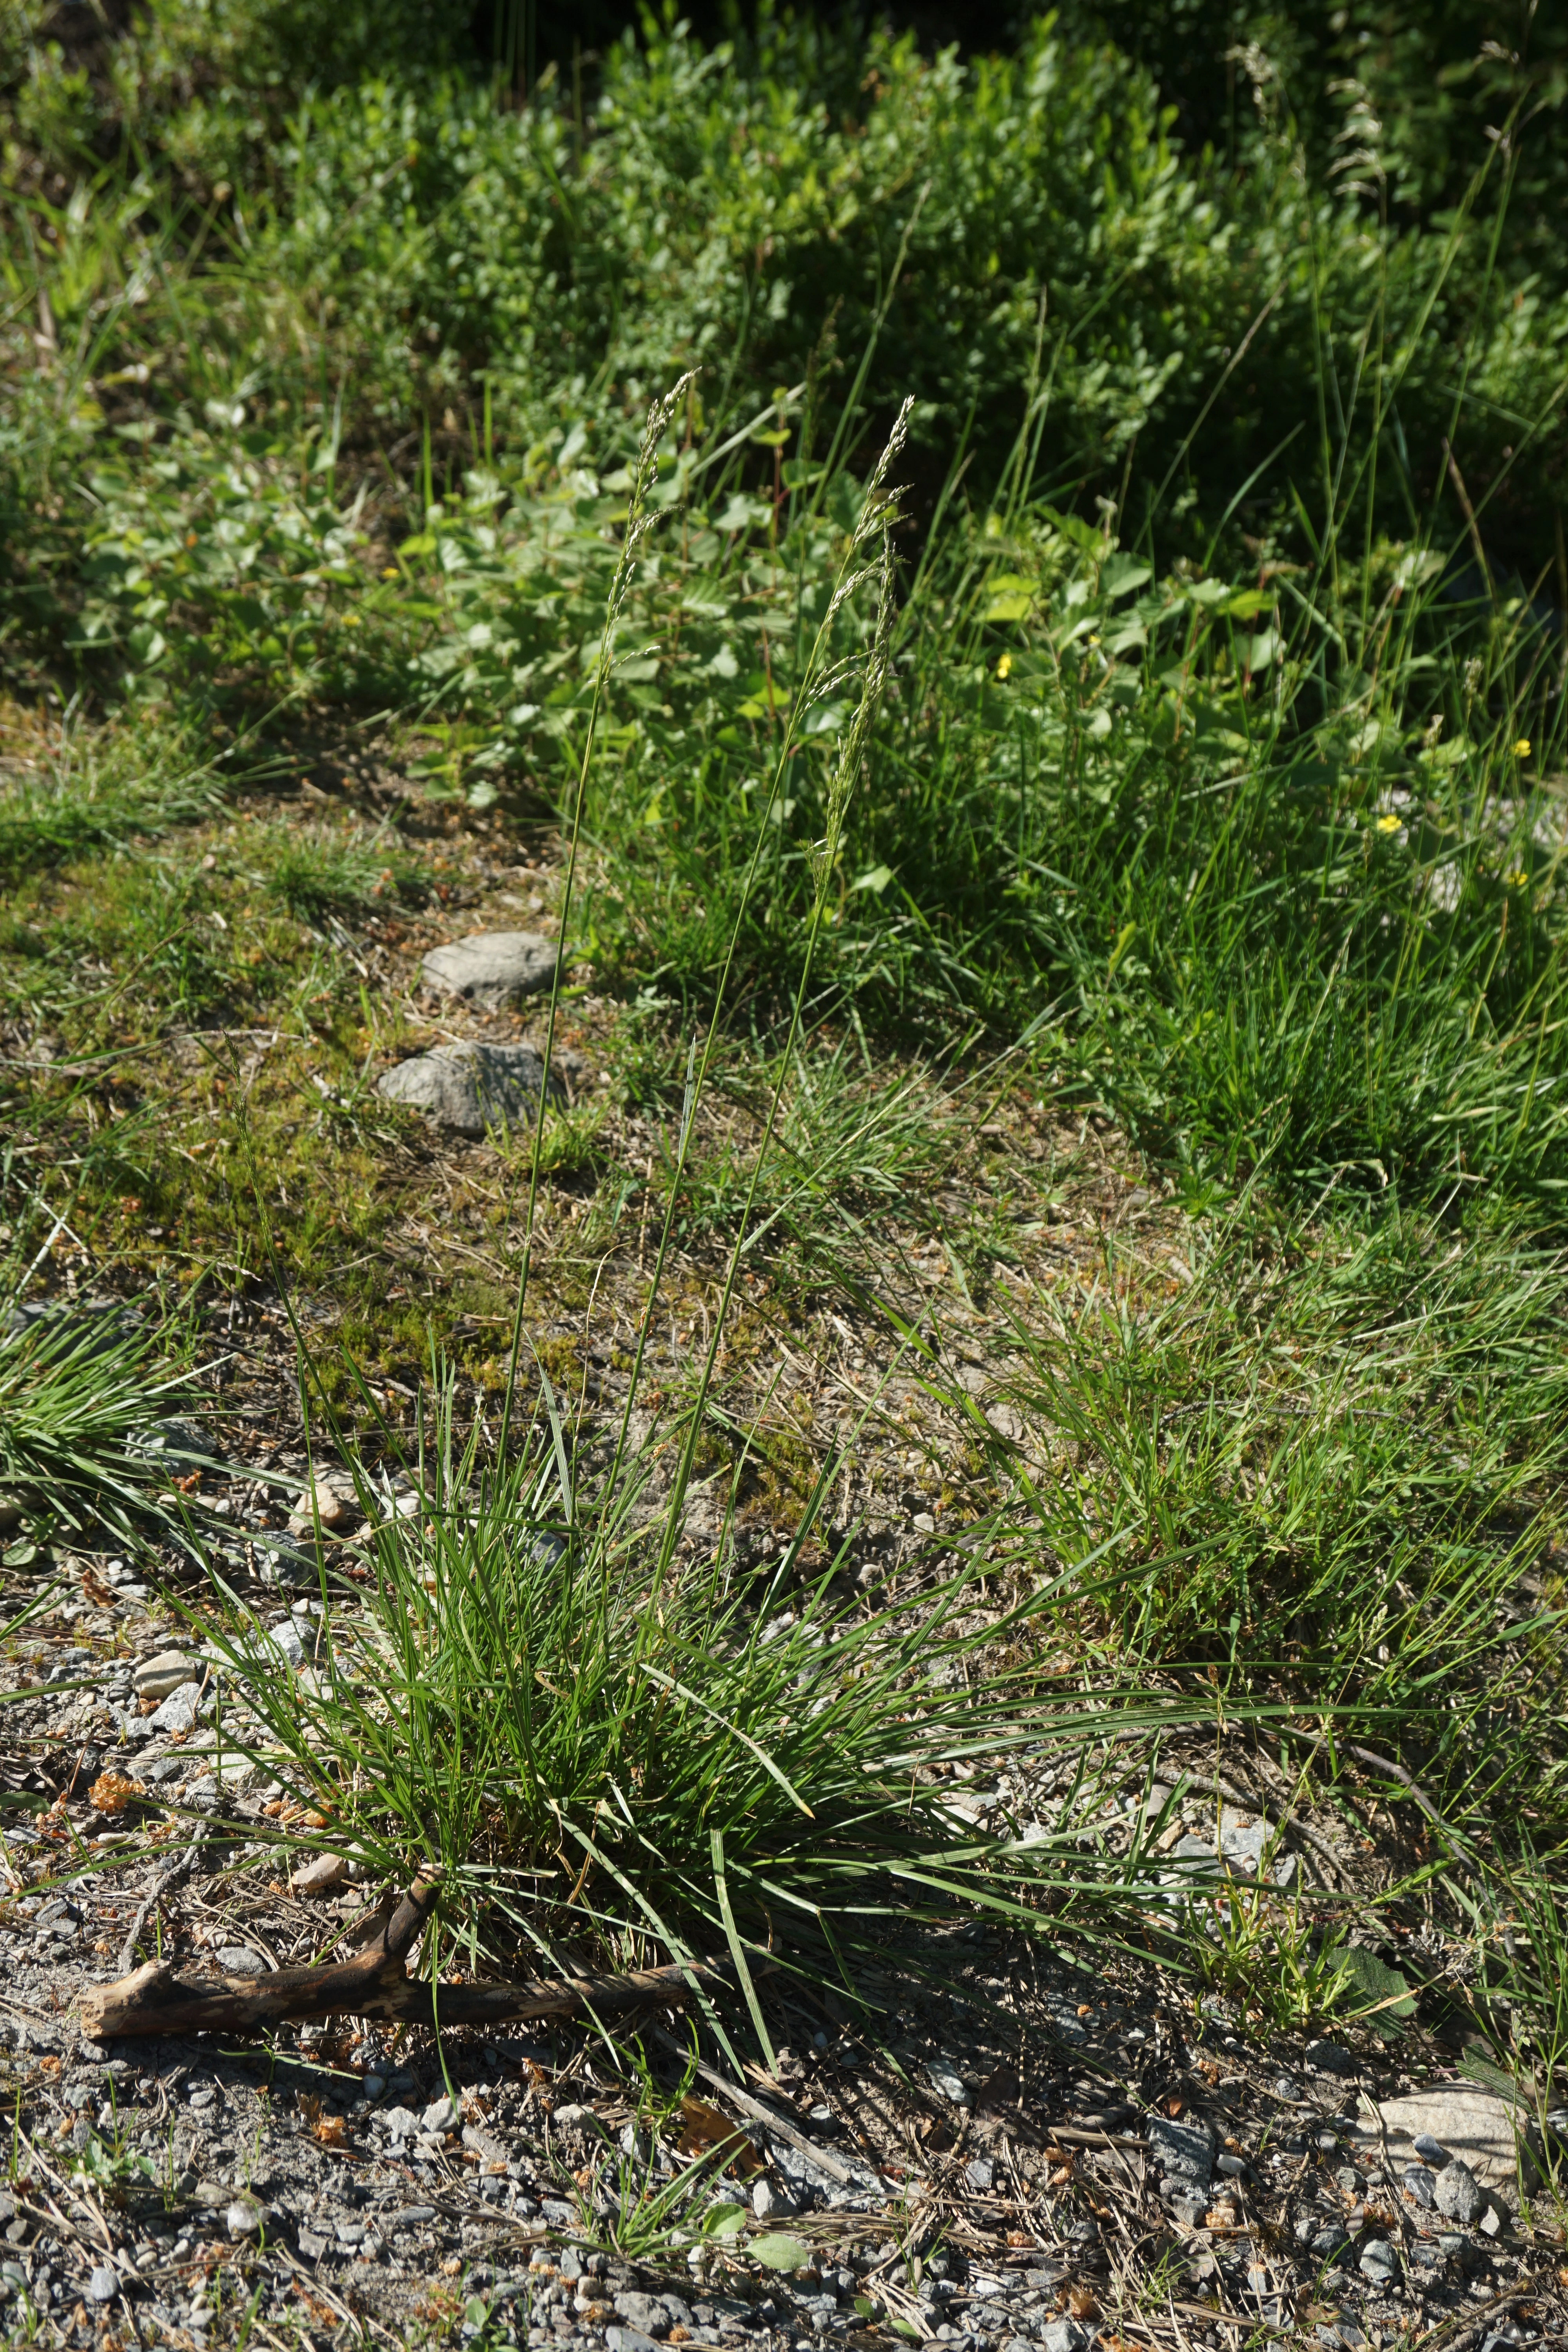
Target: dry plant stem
x: 831, y: 2165
x: 164, y: 1885
x: 375, y: 1983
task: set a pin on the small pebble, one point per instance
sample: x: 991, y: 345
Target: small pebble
x: 1430, y: 2150
x: 102, y: 2285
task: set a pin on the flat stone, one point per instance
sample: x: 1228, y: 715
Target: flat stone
x: 1421, y: 2185
x: 1459, y: 2195
x: 493, y: 969
x: 1185, y: 2151
x: 1332, y: 2058
x: 157, y: 1677
x: 317, y: 1877
x: 244, y: 2218
x: 470, y: 1086
x: 1238, y: 1842
x: 1066, y: 2336
x: 312, y: 2246
x: 1461, y: 2120
x: 1378, y: 2262
x: 440, y: 2115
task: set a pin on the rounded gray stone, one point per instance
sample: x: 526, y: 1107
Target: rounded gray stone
x: 103, y: 2284
x: 471, y: 1087
x: 493, y: 969
x: 1378, y: 2261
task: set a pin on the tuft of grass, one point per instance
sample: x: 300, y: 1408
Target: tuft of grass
x: 87, y: 1399
x: 312, y: 872
x: 583, y: 1748
x: 1330, y: 1463
x: 86, y: 790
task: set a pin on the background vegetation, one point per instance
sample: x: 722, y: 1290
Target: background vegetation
x: 1215, y: 778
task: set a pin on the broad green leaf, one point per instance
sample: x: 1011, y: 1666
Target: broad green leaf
x: 777, y: 2251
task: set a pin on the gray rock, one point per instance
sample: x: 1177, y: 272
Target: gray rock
x: 239, y: 1961
x: 1430, y: 2150
x: 1185, y: 2151
x: 1066, y: 2336
x: 646, y: 2312
x: 440, y: 2115
x: 102, y: 2285
x: 493, y: 969
x: 180, y: 1711
x: 1330, y: 2058
x: 158, y: 1677
x: 244, y: 2218
x: 1459, y: 2195
x: 1421, y: 2183
x: 979, y: 2174
x: 1379, y: 2262
x: 628, y: 2339
x: 1329, y: 2240
x: 767, y: 2203
x: 469, y: 1087
x: 312, y: 2246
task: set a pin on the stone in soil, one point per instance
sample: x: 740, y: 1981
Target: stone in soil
x: 1459, y: 2195
x: 1184, y: 2151
x: 1240, y: 1841
x: 493, y: 969
x: 159, y: 1677
x: 470, y: 1086
x: 1379, y: 2262
x: 1459, y: 2120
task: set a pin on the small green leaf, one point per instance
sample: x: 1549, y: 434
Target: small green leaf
x: 724, y: 2221
x: 778, y: 2252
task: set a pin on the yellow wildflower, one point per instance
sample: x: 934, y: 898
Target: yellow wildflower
x: 1521, y: 749
x: 1004, y: 666
x: 1389, y: 824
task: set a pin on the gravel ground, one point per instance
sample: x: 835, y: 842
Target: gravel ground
x: 1056, y: 2157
